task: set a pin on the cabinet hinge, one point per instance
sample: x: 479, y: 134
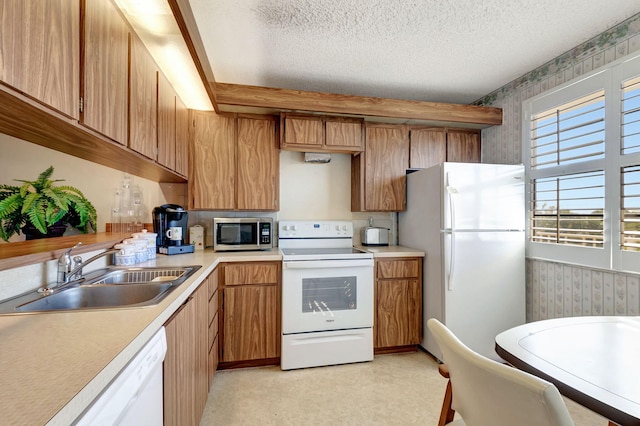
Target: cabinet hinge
x: 81, y: 104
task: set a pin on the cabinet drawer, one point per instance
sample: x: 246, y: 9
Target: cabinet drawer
x: 251, y: 274
x: 212, y: 361
x: 213, y: 307
x: 213, y: 282
x: 213, y: 331
x: 405, y: 268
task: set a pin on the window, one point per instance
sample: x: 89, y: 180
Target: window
x: 581, y: 145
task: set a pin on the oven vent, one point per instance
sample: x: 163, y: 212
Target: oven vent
x: 317, y: 157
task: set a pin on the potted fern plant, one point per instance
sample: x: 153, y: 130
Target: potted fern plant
x: 41, y: 210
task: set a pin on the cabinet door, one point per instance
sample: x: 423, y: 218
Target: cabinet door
x: 302, y: 132
x: 343, y: 135
x: 201, y: 355
x: 428, y: 147
x: 250, y: 323
x: 178, y: 363
x: 258, y: 164
x: 463, y: 146
x: 40, y: 51
x: 185, y: 363
x: 386, y: 163
x: 166, y: 123
x: 212, y: 173
x: 143, y: 94
x: 182, y: 138
x: 398, y: 312
x: 106, y: 62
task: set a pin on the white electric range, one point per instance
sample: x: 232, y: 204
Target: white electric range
x: 327, y: 295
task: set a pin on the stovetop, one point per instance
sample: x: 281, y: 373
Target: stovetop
x: 325, y: 253
x: 318, y: 240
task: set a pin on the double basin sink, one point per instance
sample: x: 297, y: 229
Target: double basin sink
x: 108, y: 288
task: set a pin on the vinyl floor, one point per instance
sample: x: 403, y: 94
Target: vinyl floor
x: 395, y: 389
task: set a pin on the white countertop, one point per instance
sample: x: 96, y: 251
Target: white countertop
x: 392, y: 251
x: 53, y: 365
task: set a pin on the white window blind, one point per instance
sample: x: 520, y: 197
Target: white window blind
x: 630, y: 108
x: 568, y: 209
x: 569, y: 133
x: 630, y: 208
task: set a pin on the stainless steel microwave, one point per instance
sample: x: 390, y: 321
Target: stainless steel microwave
x: 242, y: 233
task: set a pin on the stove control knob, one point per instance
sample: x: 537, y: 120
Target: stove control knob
x: 337, y: 227
x: 293, y: 227
x: 285, y: 228
x: 344, y: 227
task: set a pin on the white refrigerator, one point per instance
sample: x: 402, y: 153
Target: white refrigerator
x: 469, y: 219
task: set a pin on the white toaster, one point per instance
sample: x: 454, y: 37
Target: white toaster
x: 374, y: 236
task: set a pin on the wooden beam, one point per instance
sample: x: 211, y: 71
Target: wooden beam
x: 300, y: 100
x: 186, y: 22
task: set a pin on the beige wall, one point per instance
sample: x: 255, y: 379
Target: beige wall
x: 315, y: 191
x: 24, y: 160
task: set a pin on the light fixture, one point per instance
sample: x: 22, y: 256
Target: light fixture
x: 156, y: 26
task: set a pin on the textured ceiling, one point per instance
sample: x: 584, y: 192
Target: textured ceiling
x: 432, y: 50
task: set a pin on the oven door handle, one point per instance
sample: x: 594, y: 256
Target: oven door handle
x: 324, y: 264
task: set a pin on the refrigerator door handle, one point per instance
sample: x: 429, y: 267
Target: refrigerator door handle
x: 451, y: 191
x: 452, y: 250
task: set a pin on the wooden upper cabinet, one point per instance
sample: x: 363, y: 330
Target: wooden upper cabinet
x: 431, y: 146
x: 40, y: 51
x: 463, y: 146
x: 316, y: 133
x: 182, y: 138
x: 166, y: 123
x: 343, y: 134
x: 258, y: 159
x: 235, y: 162
x: 143, y: 99
x: 428, y: 148
x: 106, y: 63
x: 378, y: 175
x: 302, y: 132
x: 212, y: 173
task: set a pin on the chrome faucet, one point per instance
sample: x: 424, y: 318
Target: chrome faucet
x: 65, y: 265
x: 76, y: 272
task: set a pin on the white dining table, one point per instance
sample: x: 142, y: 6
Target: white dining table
x: 594, y: 361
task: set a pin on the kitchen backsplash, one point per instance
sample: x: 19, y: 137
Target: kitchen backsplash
x: 359, y: 220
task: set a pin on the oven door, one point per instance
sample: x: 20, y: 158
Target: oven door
x: 327, y: 295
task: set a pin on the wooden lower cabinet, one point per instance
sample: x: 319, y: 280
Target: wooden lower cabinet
x: 213, y: 328
x: 185, y: 363
x: 398, y: 302
x: 250, y: 328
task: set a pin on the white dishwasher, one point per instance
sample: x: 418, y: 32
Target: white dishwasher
x: 135, y: 395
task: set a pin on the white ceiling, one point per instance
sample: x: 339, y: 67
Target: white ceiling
x: 452, y: 51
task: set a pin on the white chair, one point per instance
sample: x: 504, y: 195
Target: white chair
x: 487, y: 393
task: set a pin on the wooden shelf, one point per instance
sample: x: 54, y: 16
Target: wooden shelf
x: 23, y: 253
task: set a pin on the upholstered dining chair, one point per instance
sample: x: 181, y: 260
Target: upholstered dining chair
x: 486, y: 393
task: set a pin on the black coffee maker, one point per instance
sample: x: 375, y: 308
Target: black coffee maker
x: 170, y: 223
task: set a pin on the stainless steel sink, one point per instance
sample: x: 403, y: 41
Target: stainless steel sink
x: 108, y: 288
x: 99, y: 296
